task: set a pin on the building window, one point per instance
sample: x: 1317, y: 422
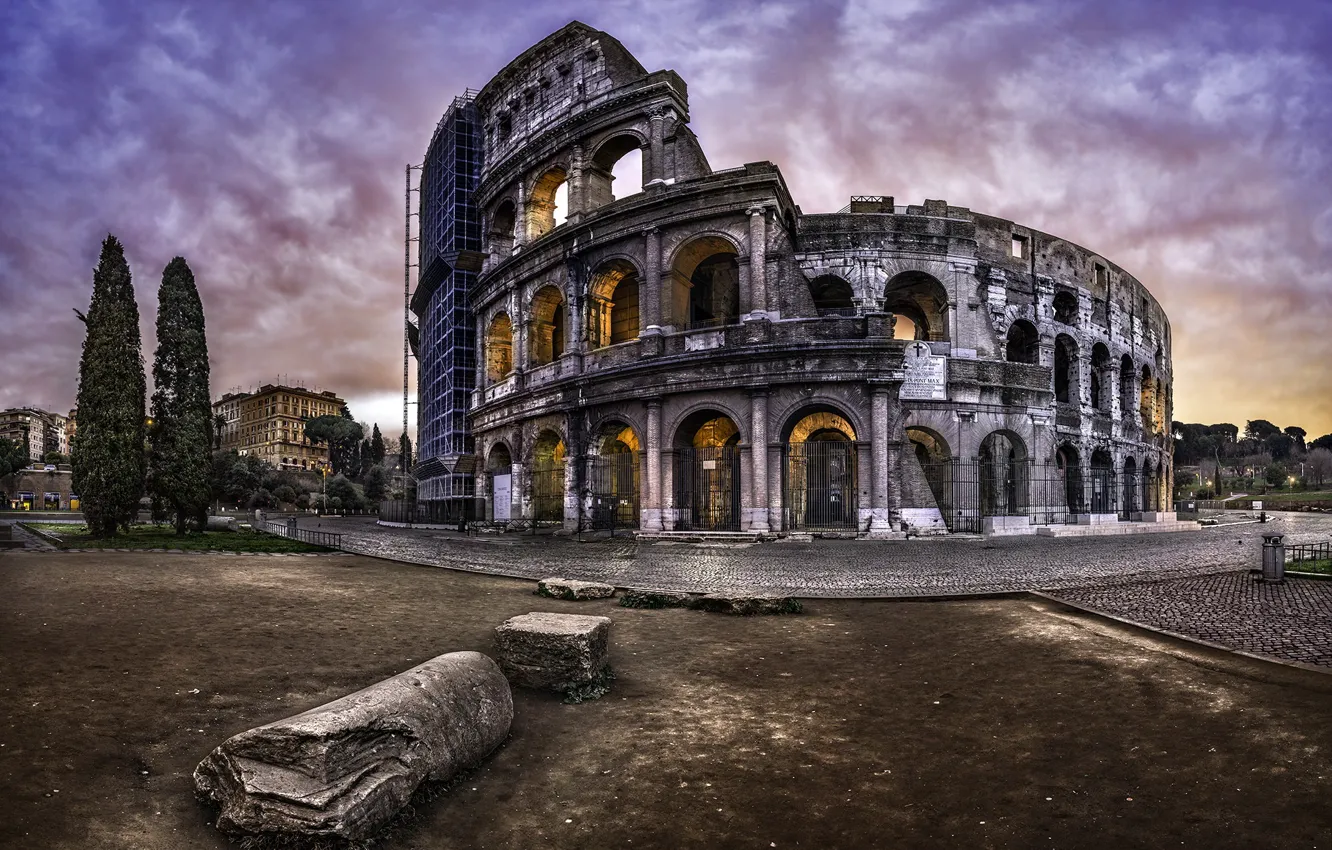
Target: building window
x: 1102, y: 276
x: 1019, y: 246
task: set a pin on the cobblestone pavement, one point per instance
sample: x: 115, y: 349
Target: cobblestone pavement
x: 1195, y: 584
x: 1291, y: 621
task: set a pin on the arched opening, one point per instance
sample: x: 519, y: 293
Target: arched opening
x: 1024, y: 343
x: 499, y: 468
x: 705, y: 290
x: 923, y: 300
x: 1146, y: 401
x: 1004, y: 475
x: 707, y: 473
x: 548, y: 478
x: 614, y: 171
x: 499, y: 348
x: 1069, y: 464
x: 544, y: 209
x: 499, y: 235
x: 1066, y: 369
x: 1131, y: 487
x: 1126, y: 389
x: 1066, y: 308
x: 613, y: 480
x: 612, y: 315
x: 1159, y: 408
x: 1102, y: 482
x: 1151, y: 489
x: 548, y: 324
x: 931, y: 479
x: 832, y: 296
x: 819, y: 472
x: 1100, y: 377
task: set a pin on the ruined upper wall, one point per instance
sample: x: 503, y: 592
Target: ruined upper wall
x: 556, y: 78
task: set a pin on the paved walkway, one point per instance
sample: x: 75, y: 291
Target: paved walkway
x: 1195, y: 584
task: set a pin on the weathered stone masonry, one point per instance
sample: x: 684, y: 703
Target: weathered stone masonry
x: 702, y: 355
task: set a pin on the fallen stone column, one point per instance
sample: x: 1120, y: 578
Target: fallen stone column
x: 346, y: 768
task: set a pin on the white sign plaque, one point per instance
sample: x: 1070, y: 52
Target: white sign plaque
x: 926, y: 374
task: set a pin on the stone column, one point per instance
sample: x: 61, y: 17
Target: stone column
x: 1111, y: 385
x: 577, y: 188
x: 758, y: 461
x: 654, y: 162
x: 649, y: 300
x: 650, y: 516
x: 880, y: 463
x: 520, y: 219
x: 758, y: 263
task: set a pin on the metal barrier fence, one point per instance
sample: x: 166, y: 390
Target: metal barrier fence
x: 548, y: 492
x: 707, y: 489
x: 434, y: 512
x: 613, y: 485
x: 1298, y: 553
x: 819, y: 483
x: 289, y: 530
x: 967, y: 491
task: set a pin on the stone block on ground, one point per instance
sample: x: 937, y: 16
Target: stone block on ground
x: 346, y: 768
x: 222, y: 523
x: 557, y: 652
x: 566, y: 588
x: 641, y: 598
x: 746, y: 604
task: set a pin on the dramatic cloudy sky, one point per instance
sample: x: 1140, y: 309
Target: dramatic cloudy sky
x: 265, y: 141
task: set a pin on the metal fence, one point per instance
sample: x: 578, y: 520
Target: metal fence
x: 707, y: 489
x: 434, y: 512
x: 289, y: 530
x: 819, y: 483
x: 548, y: 492
x: 1303, y: 553
x: 613, y: 486
x: 967, y: 491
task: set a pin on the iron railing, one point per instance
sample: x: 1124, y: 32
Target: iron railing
x: 707, y: 489
x: 548, y: 492
x: 291, y: 531
x: 819, y: 485
x: 1299, y: 553
x: 613, y: 486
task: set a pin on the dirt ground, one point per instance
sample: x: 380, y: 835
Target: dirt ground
x: 987, y: 723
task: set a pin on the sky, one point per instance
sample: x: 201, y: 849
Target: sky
x: 1190, y: 142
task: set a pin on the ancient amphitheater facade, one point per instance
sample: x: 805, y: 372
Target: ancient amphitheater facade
x: 701, y: 356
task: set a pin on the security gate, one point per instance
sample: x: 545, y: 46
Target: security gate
x: 819, y: 485
x: 707, y: 489
x: 548, y: 492
x: 614, y: 490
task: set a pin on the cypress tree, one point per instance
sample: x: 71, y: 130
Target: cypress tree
x: 182, y: 432
x: 377, y: 450
x: 108, y: 451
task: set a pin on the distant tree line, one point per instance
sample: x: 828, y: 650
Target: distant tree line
x: 1260, y: 456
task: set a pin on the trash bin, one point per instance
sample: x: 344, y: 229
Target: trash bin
x: 1274, y: 558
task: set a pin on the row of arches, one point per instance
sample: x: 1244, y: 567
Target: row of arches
x: 704, y: 292
x: 917, y: 300
x: 614, y: 170
x: 1022, y: 345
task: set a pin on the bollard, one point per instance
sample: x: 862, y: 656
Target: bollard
x: 1274, y: 558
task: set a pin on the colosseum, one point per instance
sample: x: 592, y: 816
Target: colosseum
x: 695, y: 354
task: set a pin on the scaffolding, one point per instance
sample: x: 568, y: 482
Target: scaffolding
x: 449, y: 226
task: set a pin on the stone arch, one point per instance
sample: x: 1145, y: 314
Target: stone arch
x: 929, y: 445
x: 1126, y: 390
x: 1068, y: 463
x: 501, y: 224
x: 543, y: 210
x: 1147, y: 399
x: 1100, y: 377
x: 819, y: 482
x: 1066, y: 369
x: 1102, y: 482
x: 705, y: 282
x: 549, y: 320
x: 1065, y: 308
x: 923, y: 300
x: 599, y: 170
x: 547, y: 476
x: 706, y: 473
x: 833, y: 296
x: 1131, y: 487
x: 612, y: 311
x: 1150, y: 486
x: 614, y: 482
x: 1004, y: 474
x: 1023, y: 344
x: 499, y: 459
x: 498, y: 347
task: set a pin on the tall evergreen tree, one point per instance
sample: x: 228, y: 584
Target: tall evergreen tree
x: 377, y: 449
x: 405, y: 451
x: 108, y: 452
x: 181, y: 435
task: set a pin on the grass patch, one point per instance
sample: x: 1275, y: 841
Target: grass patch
x: 75, y: 536
x: 1294, y: 496
x: 1322, y: 567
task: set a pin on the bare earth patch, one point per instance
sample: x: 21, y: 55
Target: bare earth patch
x: 989, y: 723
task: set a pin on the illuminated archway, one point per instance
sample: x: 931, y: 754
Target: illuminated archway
x: 707, y: 473
x: 819, y: 489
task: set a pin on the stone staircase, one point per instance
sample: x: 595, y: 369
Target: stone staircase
x: 705, y: 536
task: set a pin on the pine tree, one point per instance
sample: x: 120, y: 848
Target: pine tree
x: 182, y: 431
x: 405, y: 452
x: 377, y: 449
x: 108, y: 452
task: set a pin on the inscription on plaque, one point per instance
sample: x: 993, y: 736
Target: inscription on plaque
x: 926, y: 374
